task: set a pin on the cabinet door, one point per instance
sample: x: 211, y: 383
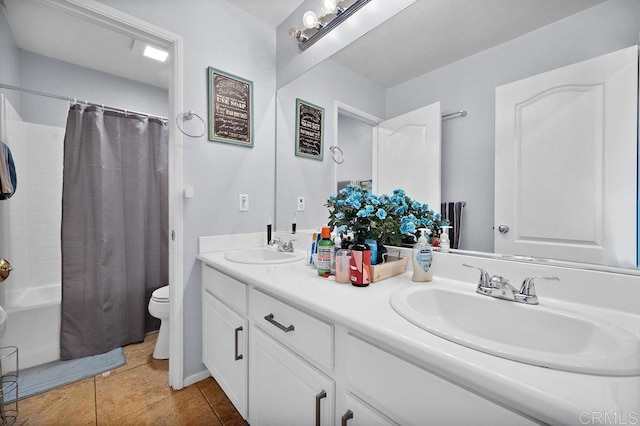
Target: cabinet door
x: 224, y: 340
x: 284, y: 389
x: 360, y: 414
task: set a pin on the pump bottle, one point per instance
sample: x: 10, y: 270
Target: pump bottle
x: 421, y: 257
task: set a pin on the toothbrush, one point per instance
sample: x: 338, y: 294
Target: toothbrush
x: 313, y: 247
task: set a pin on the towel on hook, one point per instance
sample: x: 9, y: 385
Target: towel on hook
x: 452, y: 212
x: 8, y: 179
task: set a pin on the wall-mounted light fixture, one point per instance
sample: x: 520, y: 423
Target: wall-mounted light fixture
x: 334, y: 13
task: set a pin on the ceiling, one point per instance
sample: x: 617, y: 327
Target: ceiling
x: 427, y: 35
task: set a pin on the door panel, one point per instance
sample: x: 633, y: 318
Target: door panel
x: 407, y: 155
x: 566, y: 150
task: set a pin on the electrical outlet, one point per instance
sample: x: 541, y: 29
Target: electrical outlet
x: 300, y: 204
x: 243, y: 202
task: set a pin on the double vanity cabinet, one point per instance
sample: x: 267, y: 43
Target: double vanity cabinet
x: 280, y: 362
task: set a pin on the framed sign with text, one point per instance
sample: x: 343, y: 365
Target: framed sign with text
x: 230, y: 108
x: 309, y: 130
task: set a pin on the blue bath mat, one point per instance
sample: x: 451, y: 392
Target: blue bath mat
x: 45, y: 377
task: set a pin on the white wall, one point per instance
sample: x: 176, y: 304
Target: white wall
x: 9, y: 62
x: 60, y: 78
x: 217, y: 34
x: 468, y: 143
x: 323, y: 85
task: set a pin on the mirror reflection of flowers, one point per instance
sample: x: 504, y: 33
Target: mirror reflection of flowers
x: 387, y: 218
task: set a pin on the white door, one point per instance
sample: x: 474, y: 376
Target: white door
x: 565, y: 170
x: 407, y: 155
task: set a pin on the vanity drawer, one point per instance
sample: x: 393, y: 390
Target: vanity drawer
x: 408, y: 394
x: 230, y: 291
x: 308, y: 336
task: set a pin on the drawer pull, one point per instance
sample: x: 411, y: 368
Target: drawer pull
x: 347, y: 416
x: 277, y: 324
x: 319, y: 397
x: 238, y: 357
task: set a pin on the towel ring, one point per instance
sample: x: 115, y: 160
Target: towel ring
x: 333, y: 150
x: 188, y: 116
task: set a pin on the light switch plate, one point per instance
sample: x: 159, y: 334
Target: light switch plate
x: 300, y: 204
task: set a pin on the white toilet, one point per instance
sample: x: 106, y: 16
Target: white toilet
x: 159, y: 308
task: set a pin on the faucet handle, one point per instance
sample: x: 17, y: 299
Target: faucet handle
x: 484, y: 280
x: 528, y: 289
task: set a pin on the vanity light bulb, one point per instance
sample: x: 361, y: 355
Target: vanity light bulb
x: 310, y: 19
x: 329, y: 6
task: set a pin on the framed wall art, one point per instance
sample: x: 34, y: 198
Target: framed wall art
x: 230, y: 108
x: 309, y: 130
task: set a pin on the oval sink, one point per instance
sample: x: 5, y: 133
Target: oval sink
x: 262, y: 255
x: 537, y: 335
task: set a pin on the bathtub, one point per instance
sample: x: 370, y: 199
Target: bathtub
x: 33, y: 324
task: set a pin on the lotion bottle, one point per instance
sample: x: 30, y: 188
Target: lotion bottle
x: 422, y: 256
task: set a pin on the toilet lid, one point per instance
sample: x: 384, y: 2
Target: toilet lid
x: 161, y: 294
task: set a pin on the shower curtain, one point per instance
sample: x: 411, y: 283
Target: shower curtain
x: 114, y: 228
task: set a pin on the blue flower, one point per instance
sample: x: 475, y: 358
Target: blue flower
x: 369, y: 209
x: 399, y: 192
x: 340, y: 215
x: 381, y: 213
x: 355, y: 204
x: 416, y: 205
x: 341, y: 203
x: 332, y: 198
x: 363, y: 213
x: 407, y: 219
x: 407, y: 228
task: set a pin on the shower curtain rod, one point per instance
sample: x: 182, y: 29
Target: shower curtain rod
x: 75, y: 100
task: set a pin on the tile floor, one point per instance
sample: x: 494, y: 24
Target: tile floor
x: 134, y: 394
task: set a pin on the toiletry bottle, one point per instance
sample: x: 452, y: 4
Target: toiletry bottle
x: 444, y: 239
x: 373, y: 246
x: 360, y: 263
x: 326, y: 252
x: 421, y: 258
x: 343, y: 266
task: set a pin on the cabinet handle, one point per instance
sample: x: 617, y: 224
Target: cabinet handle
x: 238, y: 357
x: 277, y: 324
x: 347, y: 416
x: 319, y: 397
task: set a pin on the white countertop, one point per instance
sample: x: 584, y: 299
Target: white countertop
x: 551, y: 396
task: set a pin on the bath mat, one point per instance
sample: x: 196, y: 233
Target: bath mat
x: 51, y: 375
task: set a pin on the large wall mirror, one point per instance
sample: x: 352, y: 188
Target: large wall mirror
x: 456, y: 53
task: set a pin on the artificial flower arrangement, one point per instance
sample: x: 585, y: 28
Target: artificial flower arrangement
x: 385, y: 218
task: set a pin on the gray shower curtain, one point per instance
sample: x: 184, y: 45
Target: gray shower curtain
x: 114, y: 228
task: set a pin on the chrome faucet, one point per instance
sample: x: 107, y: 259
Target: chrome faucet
x: 499, y: 287
x: 281, y: 245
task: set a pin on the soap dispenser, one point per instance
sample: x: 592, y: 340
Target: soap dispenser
x: 422, y: 256
x: 445, y: 244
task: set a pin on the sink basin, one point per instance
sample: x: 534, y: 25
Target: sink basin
x: 537, y: 335
x: 262, y: 255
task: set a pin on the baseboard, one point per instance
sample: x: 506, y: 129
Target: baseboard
x: 195, y: 378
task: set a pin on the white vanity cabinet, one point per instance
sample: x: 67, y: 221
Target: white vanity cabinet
x: 410, y: 395
x: 285, y: 389
x: 287, y: 346
x: 224, y: 335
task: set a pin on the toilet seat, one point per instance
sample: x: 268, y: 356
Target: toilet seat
x: 161, y: 295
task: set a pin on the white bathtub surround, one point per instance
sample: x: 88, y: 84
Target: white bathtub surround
x: 546, y: 395
x: 33, y: 324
